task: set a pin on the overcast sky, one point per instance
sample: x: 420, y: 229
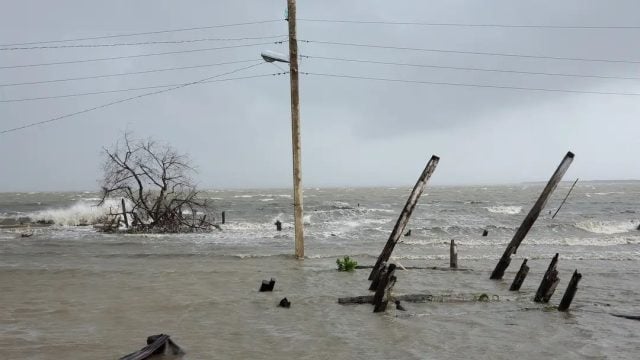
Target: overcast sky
x: 354, y: 132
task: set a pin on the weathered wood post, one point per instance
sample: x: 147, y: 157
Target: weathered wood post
x: 567, y: 298
x: 278, y: 225
x: 403, y: 219
x: 548, y: 283
x: 485, y: 232
x: 519, y: 236
x: 383, y: 292
x: 223, y: 217
x: 375, y: 280
x: 453, y: 255
x: 520, y: 276
x: 124, y: 213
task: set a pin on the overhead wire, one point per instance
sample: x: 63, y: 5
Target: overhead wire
x: 125, y: 73
x: 141, y: 55
x: 474, y: 25
x: 131, y: 89
x: 163, y: 42
x: 58, y: 118
x: 142, y: 33
x: 466, y: 68
x: 468, y: 85
x: 469, y: 52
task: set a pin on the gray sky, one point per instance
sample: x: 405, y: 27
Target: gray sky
x: 354, y: 132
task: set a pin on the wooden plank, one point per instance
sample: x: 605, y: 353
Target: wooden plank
x: 572, y: 288
x: 548, y: 283
x: 520, y: 276
x: 403, y: 219
x: 531, y: 217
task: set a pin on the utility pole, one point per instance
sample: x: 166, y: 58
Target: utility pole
x: 295, y: 130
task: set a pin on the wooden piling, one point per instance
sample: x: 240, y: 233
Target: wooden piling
x: 223, y: 218
x: 278, y: 225
x: 403, y: 219
x: 485, y: 232
x: 520, y: 276
x: 383, y: 292
x: 567, y: 298
x: 519, y: 236
x: 453, y: 255
x: 548, y: 283
x: 375, y: 280
x: 124, y: 213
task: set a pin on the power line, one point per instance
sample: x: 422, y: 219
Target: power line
x: 468, y: 68
x: 142, y: 33
x: 469, y: 85
x: 125, y: 99
x: 379, y: 22
x: 139, y: 55
x: 164, y: 42
x: 470, y: 52
x: 126, y: 73
x: 131, y: 89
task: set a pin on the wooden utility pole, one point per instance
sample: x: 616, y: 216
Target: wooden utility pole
x: 403, y: 219
x: 295, y: 130
x: 528, y: 221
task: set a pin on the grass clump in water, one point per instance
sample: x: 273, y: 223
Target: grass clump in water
x: 346, y: 264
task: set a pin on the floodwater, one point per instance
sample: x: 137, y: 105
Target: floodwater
x: 68, y: 292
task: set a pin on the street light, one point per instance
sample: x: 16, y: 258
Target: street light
x: 272, y: 56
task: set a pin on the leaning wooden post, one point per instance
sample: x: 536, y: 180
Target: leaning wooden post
x: 223, y: 219
x: 520, y: 276
x: 571, y: 291
x: 124, y: 214
x: 453, y: 255
x: 383, y: 292
x: 398, y: 229
x: 511, y: 249
x: 548, y: 283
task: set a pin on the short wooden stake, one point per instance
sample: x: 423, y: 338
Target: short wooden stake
x: 520, y: 276
x: 485, y: 232
x: 549, y: 283
x: 124, y: 213
x: 528, y: 221
x: 278, y: 225
x: 376, y: 277
x: 223, y: 219
x: 571, y: 291
x: 453, y: 255
x: 403, y: 219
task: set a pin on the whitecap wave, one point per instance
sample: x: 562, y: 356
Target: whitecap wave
x: 607, y: 227
x: 509, y: 210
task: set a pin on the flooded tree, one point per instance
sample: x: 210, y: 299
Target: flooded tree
x: 155, y: 180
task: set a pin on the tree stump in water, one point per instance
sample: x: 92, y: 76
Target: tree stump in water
x: 375, y: 280
x: 549, y: 283
x: 278, y: 225
x: 485, y: 232
x: 267, y: 285
x: 285, y: 303
x: 520, y: 276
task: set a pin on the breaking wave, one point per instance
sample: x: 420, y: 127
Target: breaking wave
x: 510, y: 210
x: 607, y: 227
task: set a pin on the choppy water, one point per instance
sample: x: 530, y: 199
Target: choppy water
x: 68, y: 292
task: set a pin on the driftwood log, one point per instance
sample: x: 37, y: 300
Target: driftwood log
x: 422, y: 298
x: 403, y: 219
x: 531, y: 217
x: 156, y: 345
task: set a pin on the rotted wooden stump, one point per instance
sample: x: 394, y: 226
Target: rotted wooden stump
x: 383, y: 293
x: 520, y: 276
x: 285, y: 303
x: 267, y: 285
x: 549, y: 283
x: 571, y: 291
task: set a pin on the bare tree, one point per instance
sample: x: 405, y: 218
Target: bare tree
x: 156, y: 181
